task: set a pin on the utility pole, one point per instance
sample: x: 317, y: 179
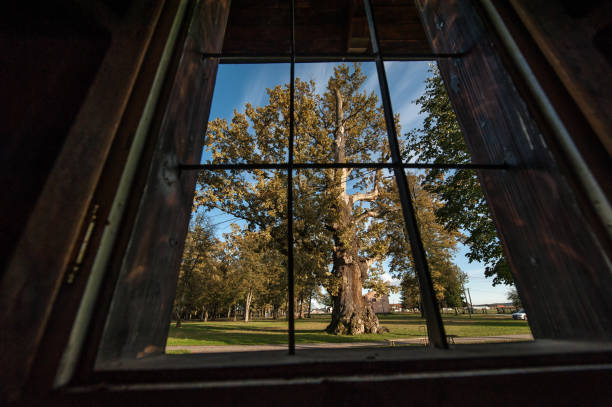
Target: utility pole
x: 466, y: 300
x: 471, y: 303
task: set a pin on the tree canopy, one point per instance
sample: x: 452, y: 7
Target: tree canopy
x: 348, y: 225
x: 464, y: 207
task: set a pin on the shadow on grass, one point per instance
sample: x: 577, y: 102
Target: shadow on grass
x: 274, y: 332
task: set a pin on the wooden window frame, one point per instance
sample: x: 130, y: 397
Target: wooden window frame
x: 568, y: 347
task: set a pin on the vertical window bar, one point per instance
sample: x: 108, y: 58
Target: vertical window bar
x: 435, y: 328
x: 290, y: 277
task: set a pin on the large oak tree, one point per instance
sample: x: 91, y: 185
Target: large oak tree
x: 347, y: 222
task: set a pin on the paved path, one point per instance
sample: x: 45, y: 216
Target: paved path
x: 406, y: 341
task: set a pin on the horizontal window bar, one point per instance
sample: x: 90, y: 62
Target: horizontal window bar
x: 286, y: 166
x: 284, y: 58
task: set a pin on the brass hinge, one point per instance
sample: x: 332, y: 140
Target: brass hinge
x: 83, y: 247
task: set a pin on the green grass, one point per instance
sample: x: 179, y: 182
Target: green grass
x: 270, y: 332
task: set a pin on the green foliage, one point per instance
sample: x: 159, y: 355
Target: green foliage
x: 324, y: 298
x: 202, y: 278
x: 464, y: 207
x: 355, y: 210
x: 513, y: 296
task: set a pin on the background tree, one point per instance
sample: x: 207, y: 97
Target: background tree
x: 513, y: 297
x: 197, y: 262
x: 464, y: 206
x: 440, y: 246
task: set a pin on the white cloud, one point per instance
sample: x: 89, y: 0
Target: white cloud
x: 253, y: 91
x: 317, y: 72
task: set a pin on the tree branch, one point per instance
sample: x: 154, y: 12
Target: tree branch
x: 368, y: 196
x: 368, y: 214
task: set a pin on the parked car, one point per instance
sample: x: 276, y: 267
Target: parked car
x: 519, y: 315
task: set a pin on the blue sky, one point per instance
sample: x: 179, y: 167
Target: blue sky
x: 237, y: 84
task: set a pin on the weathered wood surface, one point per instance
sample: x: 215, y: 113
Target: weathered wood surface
x: 142, y: 302
x: 270, y: 19
x: 476, y: 380
x: 36, y: 266
x: 322, y: 27
x: 575, y: 38
x: 69, y: 296
x: 41, y: 101
x: 585, y: 139
x: 398, y: 27
x: 561, y: 272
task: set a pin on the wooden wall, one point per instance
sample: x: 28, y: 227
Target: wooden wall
x: 560, y: 267
x: 69, y: 123
x: 569, y: 34
x: 71, y: 70
x: 141, y: 306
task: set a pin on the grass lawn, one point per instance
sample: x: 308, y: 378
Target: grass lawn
x: 270, y: 332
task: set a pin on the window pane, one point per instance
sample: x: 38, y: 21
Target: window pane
x: 249, y: 116
x: 331, y: 27
x: 258, y: 27
x: 232, y: 288
x: 466, y: 259
x: 398, y: 27
x: 343, y: 126
x: 350, y: 247
x: 429, y: 131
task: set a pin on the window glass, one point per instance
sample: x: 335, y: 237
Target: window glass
x: 232, y: 289
x: 471, y: 277
x: 351, y: 252
x: 249, y: 116
x: 338, y: 114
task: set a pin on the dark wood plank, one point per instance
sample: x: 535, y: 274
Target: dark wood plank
x: 568, y: 39
x: 140, y: 311
x: 399, y: 28
x: 68, y: 299
x: 40, y: 104
x: 217, y: 367
x: 561, y: 272
x: 512, y: 387
x: 584, y: 137
x: 43, y: 251
x: 269, y: 18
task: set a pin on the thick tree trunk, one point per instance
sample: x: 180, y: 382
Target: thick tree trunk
x: 301, y: 309
x: 309, y: 304
x: 178, y: 317
x: 350, y: 314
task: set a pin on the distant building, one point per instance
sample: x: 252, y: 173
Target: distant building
x: 396, y: 307
x: 379, y: 303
